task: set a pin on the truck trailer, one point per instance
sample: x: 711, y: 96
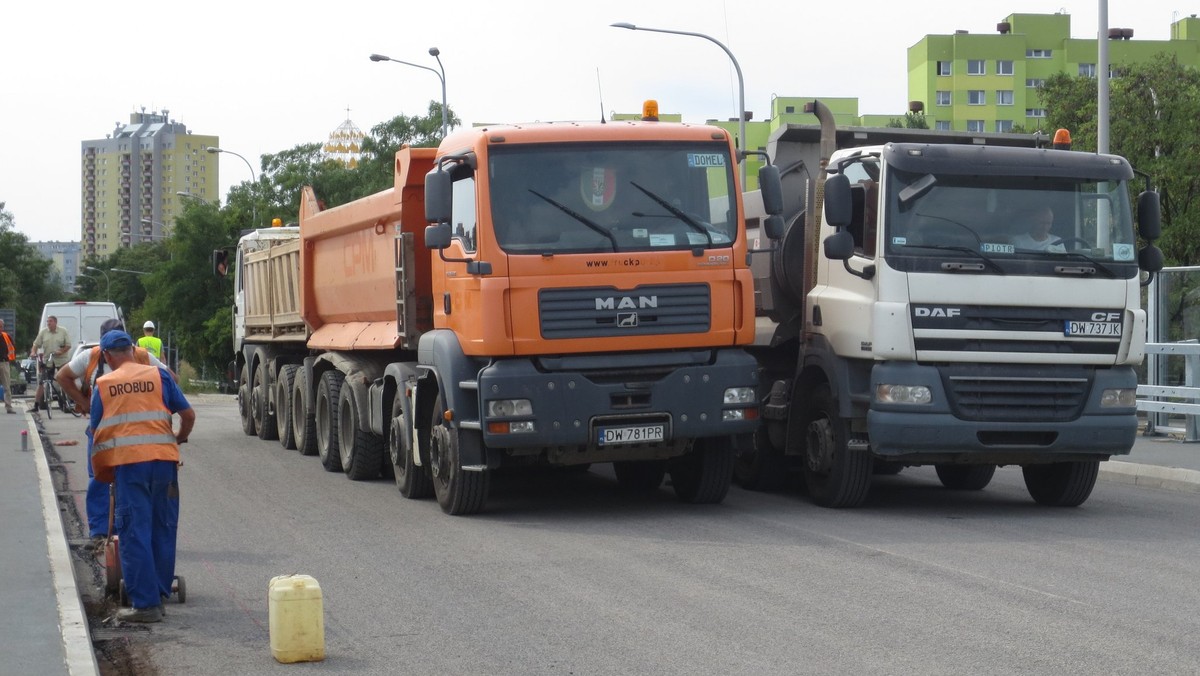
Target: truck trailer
x: 553, y: 294
x: 907, y: 318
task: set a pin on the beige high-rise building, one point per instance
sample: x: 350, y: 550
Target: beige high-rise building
x: 136, y: 180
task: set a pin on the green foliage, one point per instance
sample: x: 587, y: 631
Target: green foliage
x: 910, y: 120
x: 27, y: 280
x: 1153, y: 109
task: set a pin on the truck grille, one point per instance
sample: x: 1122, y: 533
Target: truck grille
x: 1026, y: 330
x: 604, y: 311
x: 1043, y: 397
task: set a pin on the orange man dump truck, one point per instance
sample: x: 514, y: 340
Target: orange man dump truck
x: 582, y: 296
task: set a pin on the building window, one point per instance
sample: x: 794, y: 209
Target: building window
x: 943, y: 68
x: 1004, y: 67
x: 1004, y: 126
x: 976, y: 67
x: 975, y: 125
x: 1034, y: 83
x: 943, y: 98
x: 1039, y: 53
x: 1035, y: 112
x: 1004, y: 97
x: 1087, y: 70
x: 942, y: 125
x: 976, y: 97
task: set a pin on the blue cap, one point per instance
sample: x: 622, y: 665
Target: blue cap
x: 115, y: 340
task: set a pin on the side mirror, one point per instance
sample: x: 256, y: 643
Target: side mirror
x: 1149, y: 216
x: 1150, y: 259
x: 839, y: 206
x: 438, y: 236
x: 438, y: 198
x: 220, y: 262
x: 773, y: 227
x: 771, y: 187
x: 839, y: 246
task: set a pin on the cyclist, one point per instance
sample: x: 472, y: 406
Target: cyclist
x: 55, y: 342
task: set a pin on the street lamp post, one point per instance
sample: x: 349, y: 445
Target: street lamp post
x: 107, y: 287
x: 253, y: 180
x: 162, y: 234
x: 736, y: 67
x: 132, y: 272
x: 440, y: 73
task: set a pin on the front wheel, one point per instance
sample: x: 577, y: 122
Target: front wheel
x: 304, y: 417
x: 1061, y: 484
x: 703, y: 476
x: 965, y: 477
x: 457, y: 491
x: 835, y: 475
x: 329, y: 391
x: 412, y: 480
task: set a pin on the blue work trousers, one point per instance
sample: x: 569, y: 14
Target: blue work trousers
x: 146, y: 520
x: 97, y: 498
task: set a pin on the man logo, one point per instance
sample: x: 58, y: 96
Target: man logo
x: 627, y: 320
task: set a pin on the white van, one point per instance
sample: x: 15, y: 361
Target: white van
x: 81, y: 318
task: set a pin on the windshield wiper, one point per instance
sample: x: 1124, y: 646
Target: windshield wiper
x: 1099, y: 266
x: 579, y: 217
x: 941, y: 247
x: 677, y: 213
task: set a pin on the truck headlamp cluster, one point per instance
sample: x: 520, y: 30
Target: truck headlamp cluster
x: 507, y: 408
x: 739, y: 395
x: 743, y: 397
x: 1119, y: 397
x: 886, y: 393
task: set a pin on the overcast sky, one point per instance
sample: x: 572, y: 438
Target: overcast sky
x: 265, y: 76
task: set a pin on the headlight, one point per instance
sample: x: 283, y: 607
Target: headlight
x: 506, y: 408
x: 739, y: 395
x: 902, y: 394
x: 1120, y: 397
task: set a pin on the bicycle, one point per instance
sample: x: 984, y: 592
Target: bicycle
x: 51, y: 393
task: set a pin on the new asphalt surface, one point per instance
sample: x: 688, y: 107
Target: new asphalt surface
x: 44, y: 629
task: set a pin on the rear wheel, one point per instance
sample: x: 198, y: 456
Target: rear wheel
x: 703, y: 476
x: 1061, y: 484
x: 965, y: 477
x: 283, y: 405
x: 361, y: 451
x: 412, y: 481
x: 640, y: 477
x: 244, y: 401
x: 835, y: 475
x: 457, y: 491
x: 304, y: 417
x: 329, y: 391
x: 264, y: 413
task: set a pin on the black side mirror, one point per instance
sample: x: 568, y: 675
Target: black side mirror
x: 438, y: 236
x: 771, y: 187
x: 839, y: 206
x: 1149, y: 216
x: 773, y: 227
x: 438, y: 198
x: 839, y: 246
x: 1150, y: 259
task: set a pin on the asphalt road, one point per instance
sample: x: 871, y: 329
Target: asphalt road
x: 565, y: 574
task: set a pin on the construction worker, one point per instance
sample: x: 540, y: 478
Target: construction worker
x: 87, y: 366
x: 8, y: 354
x: 151, y: 342
x: 136, y: 449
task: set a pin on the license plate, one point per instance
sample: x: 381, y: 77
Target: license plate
x: 630, y: 434
x: 1093, y: 329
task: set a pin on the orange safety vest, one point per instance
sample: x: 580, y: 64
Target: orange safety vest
x: 136, y: 426
x: 11, y: 351
x: 140, y: 355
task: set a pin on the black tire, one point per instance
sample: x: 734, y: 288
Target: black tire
x: 458, y: 492
x: 703, y: 476
x: 304, y: 417
x: 640, y: 477
x: 1061, y: 484
x: 835, y: 475
x: 244, y: 402
x: 283, y: 406
x: 412, y: 481
x: 762, y: 468
x: 361, y: 451
x: 329, y: 392
x: 260, y: 398
x: 965, y: 477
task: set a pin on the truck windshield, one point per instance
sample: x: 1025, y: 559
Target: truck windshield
x: 1016, y: 223
x: 563, y: 198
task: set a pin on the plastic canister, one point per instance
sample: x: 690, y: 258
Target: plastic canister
x: 296, y: 619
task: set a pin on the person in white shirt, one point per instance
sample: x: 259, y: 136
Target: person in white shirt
x: 1041, y: 220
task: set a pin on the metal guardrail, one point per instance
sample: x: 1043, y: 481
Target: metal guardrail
x: 1160, y: 410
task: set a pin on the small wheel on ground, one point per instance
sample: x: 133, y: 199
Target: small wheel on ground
x: 458, y: 491
x: 329, y: 392
x: 835, y: 475
x: 264, y: 412
x: 703, y: 475
x: 304, y: 418
x: 361, y: 451
x: 180, y: 589
x: 244, y: 407
x: 1061, y: 484
x: 643, y: 476
x: 965, y: 477
x: 283, y: 405
x: 413, y: 481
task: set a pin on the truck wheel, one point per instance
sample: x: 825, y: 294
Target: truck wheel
x: 640, y: 477
x: 264, y: 414
x: 703, y: 476
x: 412, y: 481
x: 835, y: 475
x: 761, y: 468
x: 1061, y: 484
x: 965, y: 477
x: 304, y: 418
x: 329, y: 392
x: 361, y: 451
x: 283, y: 406
x: 244, y: 407
x: 457, y: 491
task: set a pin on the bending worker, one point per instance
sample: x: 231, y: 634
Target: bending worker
x: 151, y: 342
x: 87, y: 366
x: 135, y: 448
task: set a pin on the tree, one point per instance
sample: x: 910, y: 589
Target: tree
x: 1153, y: 108
x: 27, y: 280
x: 910, y: 120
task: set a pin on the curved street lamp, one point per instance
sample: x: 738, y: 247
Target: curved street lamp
x: 736, y: 67
x: 106, y: 282
x: 440, y: 73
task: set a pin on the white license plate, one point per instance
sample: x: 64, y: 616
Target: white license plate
x: 630, y: 434
x: 1093, y: 329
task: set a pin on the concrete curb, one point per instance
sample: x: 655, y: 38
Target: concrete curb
x: 77, y: 639
x: 1151, y: 476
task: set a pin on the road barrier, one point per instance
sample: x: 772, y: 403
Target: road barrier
x: 1159, y: 411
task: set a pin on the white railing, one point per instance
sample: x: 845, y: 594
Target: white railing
x: 1159, y: 411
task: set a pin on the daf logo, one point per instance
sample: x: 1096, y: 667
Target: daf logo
x: 627, y: 320
x: 1105, y: 316
x: 937, y: 312
x: 627, y: 303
